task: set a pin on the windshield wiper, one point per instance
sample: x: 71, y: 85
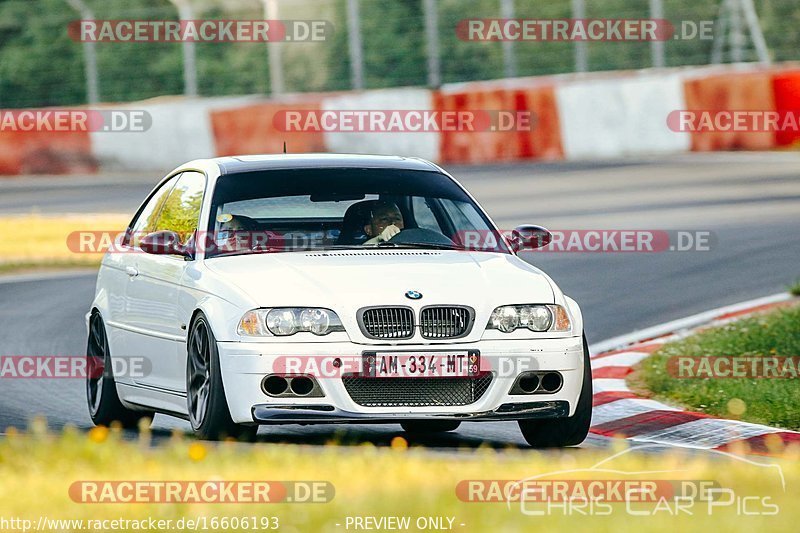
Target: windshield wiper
x: 426, y: 245
x: 254, y: 251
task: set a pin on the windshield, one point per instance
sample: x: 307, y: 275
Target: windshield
x: 321, y: 209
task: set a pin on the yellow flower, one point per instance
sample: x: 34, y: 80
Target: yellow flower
x: 98, y: 434
x: 736, y: 406
x: 197, y: 451
x: 399, y: 443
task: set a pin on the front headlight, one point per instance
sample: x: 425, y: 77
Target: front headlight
x: 540, y: 318
x: 282, y: 322
x: 317, y: 321
x: 285, y: 321
x: 506, y: 319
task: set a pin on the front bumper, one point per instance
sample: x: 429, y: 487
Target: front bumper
x: 244, y: 366
x: 315, y: 414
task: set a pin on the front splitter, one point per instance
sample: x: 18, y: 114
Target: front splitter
x: 328, y: 414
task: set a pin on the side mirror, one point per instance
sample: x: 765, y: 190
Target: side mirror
x: 163, y: 243
x: 529, y: 237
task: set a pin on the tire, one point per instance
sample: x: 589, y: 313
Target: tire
x: 104, y: 404
x: 430, y: 426
x: 205, y: 394
x: 571, y: 431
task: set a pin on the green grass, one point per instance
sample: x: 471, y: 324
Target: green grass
x: 775, y: 402
x: 794, y: 289
x: 38, y: 468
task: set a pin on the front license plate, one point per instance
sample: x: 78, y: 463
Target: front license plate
x: 421, y: 364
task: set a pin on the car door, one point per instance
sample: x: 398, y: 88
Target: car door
x: 120, y: 272
x: 152, y: 294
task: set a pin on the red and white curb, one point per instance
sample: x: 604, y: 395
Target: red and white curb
x: 619, y: 412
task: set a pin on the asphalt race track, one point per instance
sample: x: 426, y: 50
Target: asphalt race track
x: 751, y: 203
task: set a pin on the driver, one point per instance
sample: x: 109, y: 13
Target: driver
x: 235, y: 232
x: 385, y: 221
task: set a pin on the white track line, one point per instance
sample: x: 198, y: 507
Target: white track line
x: 619, y: 409
x: 705, y: 433
x: 682, y: 323
x: 620, y: 359
x: 609, y: 385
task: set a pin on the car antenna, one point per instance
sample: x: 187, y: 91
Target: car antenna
x: 284, y: 147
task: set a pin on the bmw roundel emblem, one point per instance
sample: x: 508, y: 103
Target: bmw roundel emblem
x: 413, y: 295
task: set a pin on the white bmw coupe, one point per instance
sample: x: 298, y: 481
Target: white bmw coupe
x: 309, y: 289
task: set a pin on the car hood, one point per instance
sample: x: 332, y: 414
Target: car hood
x: 349, y: 280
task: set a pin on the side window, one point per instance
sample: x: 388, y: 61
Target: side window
x: 181, y: 210
x: 423, y: 214
x: 145, y: 222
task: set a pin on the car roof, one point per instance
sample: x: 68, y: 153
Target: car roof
x: 254, y: 163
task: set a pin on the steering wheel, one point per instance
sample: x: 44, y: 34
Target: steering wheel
x: 420, y: 236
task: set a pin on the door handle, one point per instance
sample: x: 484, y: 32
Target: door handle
x: 132, y: 271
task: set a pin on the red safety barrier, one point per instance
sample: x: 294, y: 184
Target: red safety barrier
x: 542, y: 140
x: 786, y: 90
x: 750, y: 91
x: 45, y: 152
x: 253, y: 129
